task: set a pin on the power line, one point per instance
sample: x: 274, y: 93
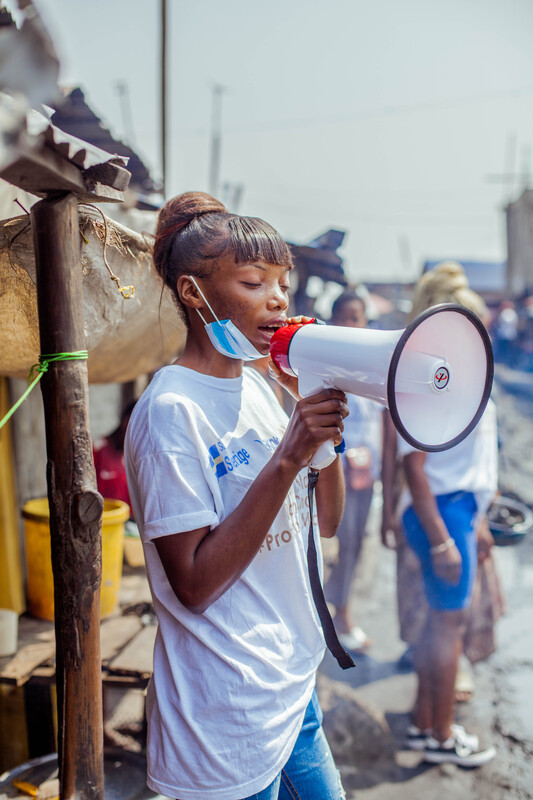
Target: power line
x: 355, y: 116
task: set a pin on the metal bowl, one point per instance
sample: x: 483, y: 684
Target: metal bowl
x: 509, y: 521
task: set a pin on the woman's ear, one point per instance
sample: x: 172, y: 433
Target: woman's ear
x: 188, y: 292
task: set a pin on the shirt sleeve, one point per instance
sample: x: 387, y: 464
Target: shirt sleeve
x: 404, y: 448
x: 174, y: 494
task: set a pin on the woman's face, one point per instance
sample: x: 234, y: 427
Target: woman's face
x: 255, y: 296
x: 352, y: 315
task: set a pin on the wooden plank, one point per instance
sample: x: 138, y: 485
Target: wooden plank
x: 115, y: 633
x: 113, y: 175
x: 44, y: 675
x: 32, y: 630
x: 98, y: 193
x: 31, y: 660
x: 21, y: 666
x: 43, y: 172
x: 115, y: 681
x: 137, y: 657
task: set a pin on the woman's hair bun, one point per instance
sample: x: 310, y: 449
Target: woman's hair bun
x: 181, y: 210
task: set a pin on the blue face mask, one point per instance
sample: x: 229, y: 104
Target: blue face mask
x: 225, y: 337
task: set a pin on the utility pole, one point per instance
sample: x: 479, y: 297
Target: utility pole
x: 164, y: 164
x: 123, y: 91
x: 216, y: 139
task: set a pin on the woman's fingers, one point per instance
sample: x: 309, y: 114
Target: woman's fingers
x: 448, y: 565
x: 298, y: 319
x: 324, y: 395
x: 289, y: 383
x: 315, y: 419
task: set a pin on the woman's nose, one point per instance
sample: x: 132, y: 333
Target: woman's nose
x: 278, y: 298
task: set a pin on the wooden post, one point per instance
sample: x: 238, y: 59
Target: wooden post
x: 75, y: 505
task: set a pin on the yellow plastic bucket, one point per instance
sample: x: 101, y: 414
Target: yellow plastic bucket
x: 39, y: 578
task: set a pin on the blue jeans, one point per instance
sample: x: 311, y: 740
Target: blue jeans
x: 310, y: 772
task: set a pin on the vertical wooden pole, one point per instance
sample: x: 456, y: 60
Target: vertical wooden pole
x: 164, y: 154
x: 75, y: 505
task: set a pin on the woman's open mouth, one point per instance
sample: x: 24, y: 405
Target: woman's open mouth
x: 268, y: 331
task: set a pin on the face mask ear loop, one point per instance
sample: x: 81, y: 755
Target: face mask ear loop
x: 201, y: 316
x: 204, y: 298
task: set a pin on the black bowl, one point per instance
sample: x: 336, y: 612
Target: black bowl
x: 509, y: 521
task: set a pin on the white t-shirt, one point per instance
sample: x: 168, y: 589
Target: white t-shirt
x: 470, y: 466
x: 230, y: 686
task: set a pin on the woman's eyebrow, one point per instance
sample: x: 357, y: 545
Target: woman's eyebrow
x: 263, y: 268
x: 252, y: 264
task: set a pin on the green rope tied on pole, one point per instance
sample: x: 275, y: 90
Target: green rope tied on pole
x: 40, y: 369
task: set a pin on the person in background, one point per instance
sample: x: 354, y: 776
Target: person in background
x: 506, y: 331
x: 108, y: 456
x: 361, y: 463
x: 446, y: 495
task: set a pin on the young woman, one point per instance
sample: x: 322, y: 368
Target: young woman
x: 447, y: 493
x: 218, y: 482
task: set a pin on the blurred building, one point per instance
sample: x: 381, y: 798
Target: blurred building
x: 520, y: 246
x: 317, y: 259
x: 76, y: 117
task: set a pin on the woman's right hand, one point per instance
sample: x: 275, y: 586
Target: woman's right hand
x: 389, y: 532
x: 314, y: 420
x: 448, y: 565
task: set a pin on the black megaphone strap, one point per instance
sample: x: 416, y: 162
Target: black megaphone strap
x: 344, y: 659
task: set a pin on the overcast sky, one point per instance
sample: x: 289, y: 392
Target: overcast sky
x: 390, y: 120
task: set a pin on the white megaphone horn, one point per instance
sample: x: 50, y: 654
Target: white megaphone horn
x: 435, y: 376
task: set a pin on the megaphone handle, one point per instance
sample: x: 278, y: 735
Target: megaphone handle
x: 325, y: 454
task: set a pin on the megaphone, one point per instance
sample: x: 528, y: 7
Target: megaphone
x: 435, y: 376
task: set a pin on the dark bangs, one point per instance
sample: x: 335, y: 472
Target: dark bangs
x: 253, y: 239
x: 208, y: 238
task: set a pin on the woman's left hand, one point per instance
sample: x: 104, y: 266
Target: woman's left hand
x: 448, y: 564
x: 289, y: 382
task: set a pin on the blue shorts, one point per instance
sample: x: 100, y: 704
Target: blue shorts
x: 458, y: 510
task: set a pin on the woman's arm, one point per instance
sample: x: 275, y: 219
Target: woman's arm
x: 330, y: 498
x: 388, y: 471
x: 202, y: 564
x: 446, y: 563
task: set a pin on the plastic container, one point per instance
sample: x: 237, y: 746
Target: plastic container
x: 9, y: 627
x: 133, y: 549
x: 39, y: 578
